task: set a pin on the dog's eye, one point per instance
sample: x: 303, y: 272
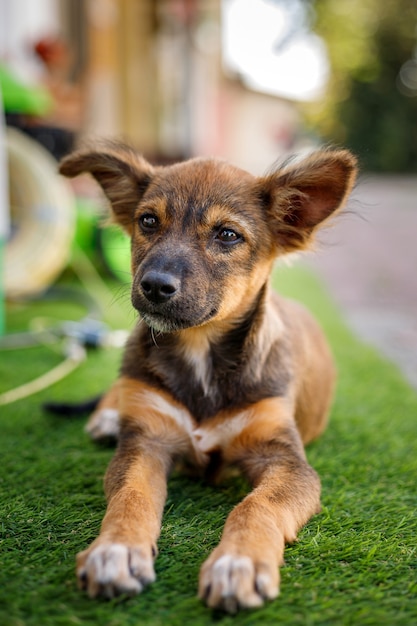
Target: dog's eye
x: 228, y: 236
x: 148, y: 222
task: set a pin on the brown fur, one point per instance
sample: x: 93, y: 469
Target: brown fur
x: 219, y: 371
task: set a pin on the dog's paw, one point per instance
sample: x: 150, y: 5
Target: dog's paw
x: 114, y: 569
x: 104, y: 424
x: 232, y: 582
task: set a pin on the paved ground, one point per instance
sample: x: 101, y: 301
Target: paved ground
x: 368, y: 259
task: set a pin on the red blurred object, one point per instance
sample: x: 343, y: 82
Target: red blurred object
x: 52, y: 51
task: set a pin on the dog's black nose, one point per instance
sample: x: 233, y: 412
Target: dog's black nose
x: 158, y: 287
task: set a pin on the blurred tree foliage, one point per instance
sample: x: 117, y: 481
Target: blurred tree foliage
x: 368, y: 106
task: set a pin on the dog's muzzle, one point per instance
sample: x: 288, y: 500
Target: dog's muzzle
x: 166, y: 304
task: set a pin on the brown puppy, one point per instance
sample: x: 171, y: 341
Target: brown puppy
x: 219, y: 370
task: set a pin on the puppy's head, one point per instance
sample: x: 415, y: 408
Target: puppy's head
x: 204, y: 233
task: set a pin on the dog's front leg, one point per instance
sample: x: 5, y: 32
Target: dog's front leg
x: 243, y: 571
x: 120, y: 560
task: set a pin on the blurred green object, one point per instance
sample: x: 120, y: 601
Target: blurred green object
x: 114, y: 247
x: 86, y: 224
x: 109, y: 243
x: 21, y: 98
x: 2, y: 298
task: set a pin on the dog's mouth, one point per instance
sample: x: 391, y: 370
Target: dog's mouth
x: 164, y: 323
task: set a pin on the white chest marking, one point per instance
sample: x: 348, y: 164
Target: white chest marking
x: 196, y: 354
x: 156, y: 402
x: 213, y: 434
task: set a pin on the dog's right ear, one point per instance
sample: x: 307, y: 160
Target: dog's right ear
x: 122, y: 173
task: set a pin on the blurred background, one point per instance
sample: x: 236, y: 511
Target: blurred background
x: 246, y: 80
x: 243, y: 79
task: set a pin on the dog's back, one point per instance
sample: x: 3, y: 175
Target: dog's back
x: 313, y: 361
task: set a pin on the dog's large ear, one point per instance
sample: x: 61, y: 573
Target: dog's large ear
x: 122, y: 173
x: 301, y: 195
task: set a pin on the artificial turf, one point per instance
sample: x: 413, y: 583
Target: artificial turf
x: 354, y: 564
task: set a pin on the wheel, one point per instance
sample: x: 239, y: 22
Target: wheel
x: 42, y: 214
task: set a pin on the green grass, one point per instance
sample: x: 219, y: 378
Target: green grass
x: 355, y: 563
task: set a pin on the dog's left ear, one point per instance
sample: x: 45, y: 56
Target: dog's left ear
x: 301, y: 195
x: 122, y: 173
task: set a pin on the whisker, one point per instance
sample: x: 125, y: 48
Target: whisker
x: 154, y: 337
